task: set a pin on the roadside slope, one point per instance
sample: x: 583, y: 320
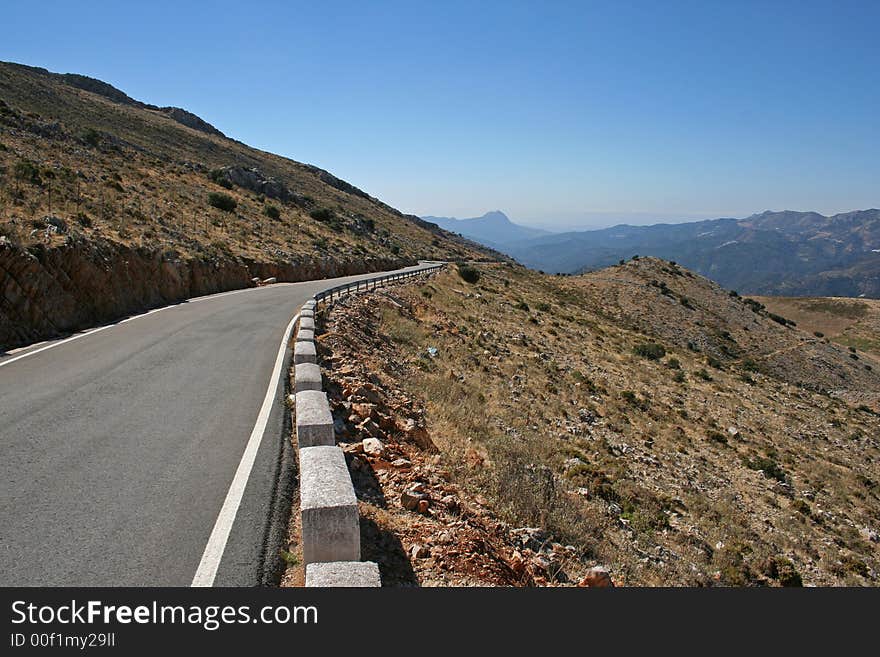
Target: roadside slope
x: 696, y: 442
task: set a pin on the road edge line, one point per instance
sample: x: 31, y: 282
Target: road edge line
x: 216, y: 545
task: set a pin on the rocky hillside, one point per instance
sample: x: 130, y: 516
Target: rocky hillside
x: 639, y: 422
x: 109, y: 205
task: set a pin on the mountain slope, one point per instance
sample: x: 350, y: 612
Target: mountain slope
x: 662, y: 428
x: 110, y: 205
x: 493, y: 229
x: 791, y: 253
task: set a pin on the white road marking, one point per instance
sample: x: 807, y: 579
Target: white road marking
x: 213, y: 553
x: 208, y: 297
x: 30, y: 346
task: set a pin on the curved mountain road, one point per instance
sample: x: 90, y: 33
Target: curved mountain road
x: 119, y: 446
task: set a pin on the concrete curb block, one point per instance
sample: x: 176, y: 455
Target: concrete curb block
x: 304, y: 352
x: 330, y: 522
x: 307, y: 376
x: 305, y: 335
x: 314, y: 422
x: 343, y: 574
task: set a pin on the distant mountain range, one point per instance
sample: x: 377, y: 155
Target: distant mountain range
x: 778, y: 253
x: 493, y: 229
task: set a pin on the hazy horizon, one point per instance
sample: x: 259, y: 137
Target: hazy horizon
x: 600, y: 220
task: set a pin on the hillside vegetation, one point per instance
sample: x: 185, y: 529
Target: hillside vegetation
x: 640, y: 418
x: 99, y: 192
x: 854, y: 323
x: 117, y: 169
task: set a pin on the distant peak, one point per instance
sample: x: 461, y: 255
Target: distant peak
x: 496, y: 214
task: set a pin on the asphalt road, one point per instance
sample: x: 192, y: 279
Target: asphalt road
x: 119, y: 447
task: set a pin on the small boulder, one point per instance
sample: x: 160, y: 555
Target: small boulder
x: 373, y: 447
x: 410, y: 499
x: 597, y: 577
x: 420, y: 552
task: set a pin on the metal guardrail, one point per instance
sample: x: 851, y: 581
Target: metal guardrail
x: 372, y: 283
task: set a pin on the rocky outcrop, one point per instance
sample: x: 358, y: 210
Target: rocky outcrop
x: 47, y: 292
x: 253, y: 179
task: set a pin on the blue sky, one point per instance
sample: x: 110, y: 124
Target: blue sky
x: 563, y: 114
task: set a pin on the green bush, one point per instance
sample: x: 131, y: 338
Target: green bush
x: 272, y: 212
x: 469, y: 274
x: 673, y: 364
x: 650, y: 350
x: 222, y: 201
x: 718, y: 437
x: 783, y: 571
x: 92, y: 137
x: 768, y: 466
x: 27, y: 171
x: 322, y: 214
x: 703, y: 374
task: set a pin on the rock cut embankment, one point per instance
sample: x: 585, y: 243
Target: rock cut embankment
x: 46, y: 292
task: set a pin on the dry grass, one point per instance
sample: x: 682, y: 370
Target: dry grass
x: 144, y: 180
x: 850, y: 322
x: 758, y: 471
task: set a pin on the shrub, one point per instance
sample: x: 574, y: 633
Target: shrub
x: 91, y: 137
x: 717, y: 437
x: 673, y: 364
x: 779, y: 319
x: 272, y: 212
x: 679, y: 377
x: 219, y: 176
x: 27, y: 171
x: 522, y: 305
x: 756, y: 306
x: 711, y: 361
x: 703, y: 374
x: 734, y: 293
x: 768, y: 466
x: 749, y: 365
x: 469, y: 274
x: 802, y: 507
x: 322, y: 214
x: 633, y: 400
x: 222, y: 202
x: 819, y: 334
x: 783, y: 571
x: 84, y: 220
x: 543, y: 307
x: 650, y: 350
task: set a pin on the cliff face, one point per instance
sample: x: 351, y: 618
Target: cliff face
x: 49, y: 291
